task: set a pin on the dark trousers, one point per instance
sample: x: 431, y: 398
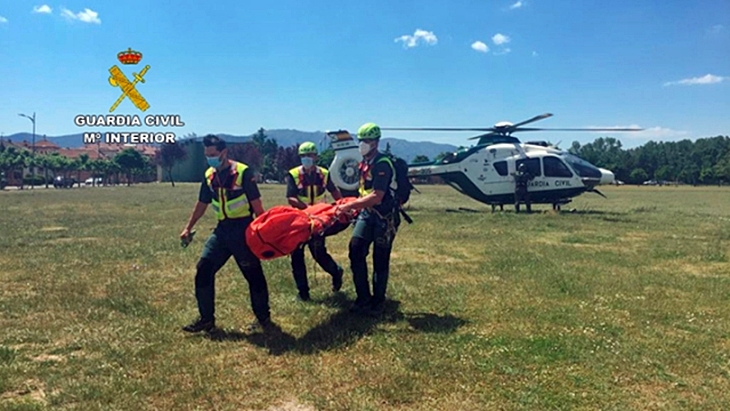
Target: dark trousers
x: 371, y: 229
x: 228, y: 239
x: 319, y: 252
x: 522, y: 195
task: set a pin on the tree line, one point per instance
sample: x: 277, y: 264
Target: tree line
x: 129, y: 163
x: 704, y: 161
x: 270, y: 159
x: 263, y: 154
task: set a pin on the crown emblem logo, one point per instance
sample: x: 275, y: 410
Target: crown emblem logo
x: 118, y: 79
x: 129, y: 56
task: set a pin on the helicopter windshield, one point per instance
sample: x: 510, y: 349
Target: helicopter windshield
x: 582, y: 167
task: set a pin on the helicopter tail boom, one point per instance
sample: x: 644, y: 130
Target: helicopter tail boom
x: 425, y: 170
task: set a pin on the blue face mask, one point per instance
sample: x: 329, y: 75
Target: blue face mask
x: 307, y: 162
x: 213, y: 161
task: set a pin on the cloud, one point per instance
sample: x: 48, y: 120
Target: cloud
x: 419, y: 36
x: 480, y: 46
x: 706, y: 79
x: 503, y: 51
x: 87, y: 16
x: 516, y: 5
x: 3, y: 20
x: 44, y: 9
x: 500, y: 39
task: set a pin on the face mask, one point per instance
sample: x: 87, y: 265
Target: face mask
x: 364, y: 148
x: 307, y: 162
x: 213, y: 161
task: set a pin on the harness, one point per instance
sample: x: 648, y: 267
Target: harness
x: 366, y: 187
x: 366, y: 176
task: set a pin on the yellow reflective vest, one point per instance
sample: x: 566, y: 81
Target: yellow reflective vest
x: 366, y: 178
x: 229, y: 202
x: 310, y: 194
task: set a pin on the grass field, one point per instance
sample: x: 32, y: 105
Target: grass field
x: 623, y: 304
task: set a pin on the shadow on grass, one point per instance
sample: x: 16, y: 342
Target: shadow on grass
x: 610, y: 216
x: 593, y: 212
x: 344, y: 328
x: 340, y: 329
x: 274, y: 339
x: 434, y: 323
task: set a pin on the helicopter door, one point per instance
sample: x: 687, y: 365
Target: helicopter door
x: 498, y: 180
x: 558, y: 175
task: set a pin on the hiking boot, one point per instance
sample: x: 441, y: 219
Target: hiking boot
x: 200, y: 325
x: 337, y: 279
x: 303, y: 296
x: 360, y: 307
x: 260, y: 326
x: 376, y: 308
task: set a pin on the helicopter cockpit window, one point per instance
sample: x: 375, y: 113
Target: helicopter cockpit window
x: 501, y: 167
x: 532, y: 164
x: 448, y: 158
x: 582, y: 167
x: 554, y: 167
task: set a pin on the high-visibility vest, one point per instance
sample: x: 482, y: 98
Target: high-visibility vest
x: 310, y: 194
x: 366, y: 178
x: 229, y: 202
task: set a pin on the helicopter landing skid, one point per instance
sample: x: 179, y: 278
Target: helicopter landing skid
x: 556, y: 205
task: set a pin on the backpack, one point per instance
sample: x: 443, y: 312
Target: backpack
x: 402, y: 188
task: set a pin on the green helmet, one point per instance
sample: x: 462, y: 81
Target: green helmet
x: 368, y: 131
x: 307, y: 148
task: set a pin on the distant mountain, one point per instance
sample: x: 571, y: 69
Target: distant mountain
x: 408, y: 150
x: 68, y: 141
x: 284, y: 137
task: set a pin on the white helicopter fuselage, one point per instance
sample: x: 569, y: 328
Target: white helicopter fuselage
x: 486, y: 173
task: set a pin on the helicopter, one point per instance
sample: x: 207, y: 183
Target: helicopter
x: 485, y: 171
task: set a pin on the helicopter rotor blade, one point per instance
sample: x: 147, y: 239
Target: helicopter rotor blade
x: 578, y: 129
x: 437, y: 129
x: 532, y: 120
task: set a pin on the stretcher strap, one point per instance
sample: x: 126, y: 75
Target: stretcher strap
x: 313, y: 217
x: 390, y: 220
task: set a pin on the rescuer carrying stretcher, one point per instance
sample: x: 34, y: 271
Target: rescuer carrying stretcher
x: 307, y: 185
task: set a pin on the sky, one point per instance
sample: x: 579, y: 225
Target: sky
x: 233, y: 67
